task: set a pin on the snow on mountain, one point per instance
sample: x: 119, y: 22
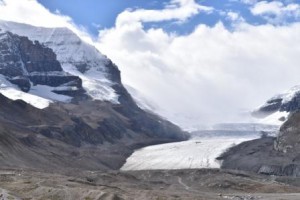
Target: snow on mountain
x: 141, y: 100
x: 11, y: 91
x: 31, y: 72
x: 76, y: 57
x: 288, y: 95
x: 277, y: 118
x: 277, y: 109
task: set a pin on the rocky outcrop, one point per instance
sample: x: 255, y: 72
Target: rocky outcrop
x: 90, y: 135
x: 271, y: 106
x: 286, y: 102
x: 278, y: 155
x: 270, y: 155
x: 24, y: 62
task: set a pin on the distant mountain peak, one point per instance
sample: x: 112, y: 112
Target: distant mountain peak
x: 98, y: 74
x: 280, y: 106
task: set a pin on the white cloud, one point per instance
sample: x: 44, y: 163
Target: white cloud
x: 179, y: 10
x: 32, y: 12
x: 210, y: 75
x: 234, y: 17
x: 276, y: 11
x: 250, y: 2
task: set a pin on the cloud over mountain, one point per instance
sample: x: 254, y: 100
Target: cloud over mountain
x: 213, y: 74
x: 210, y: 75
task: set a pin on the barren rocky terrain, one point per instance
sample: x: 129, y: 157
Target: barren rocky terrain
x: 164, y: 184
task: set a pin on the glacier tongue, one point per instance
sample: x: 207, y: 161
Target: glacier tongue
x: 76, y: 57
x: 198, y: 152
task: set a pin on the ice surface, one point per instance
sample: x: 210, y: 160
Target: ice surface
x: 199, y: 152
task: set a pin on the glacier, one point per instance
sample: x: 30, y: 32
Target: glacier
x: 198, y: 152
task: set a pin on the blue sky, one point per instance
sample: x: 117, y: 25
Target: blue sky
x: 99, y: 14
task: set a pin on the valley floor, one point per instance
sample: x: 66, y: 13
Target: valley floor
x: 194, y: 184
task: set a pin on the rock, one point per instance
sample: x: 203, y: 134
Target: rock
x: 22, y: 82
x: 286, y: 102
x: 23, y: 61
x: 85, y: 133
x: 268, y: 155
x: 99, y: 132
x: 270, y: 170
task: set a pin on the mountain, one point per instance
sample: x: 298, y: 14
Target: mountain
x: 98, y: 74
x: 278, y: 108
x: 63, y: 104
x: 277, y: 155
x: 26, y: 64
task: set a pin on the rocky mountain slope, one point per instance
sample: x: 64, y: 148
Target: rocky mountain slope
x: 100, y: 77
x: 278, y: 108
x: 63, y: 104
x: 25, y: 63
x: 272, y: 155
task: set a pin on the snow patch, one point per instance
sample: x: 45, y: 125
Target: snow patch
x: 95, y: 83
x: 12, y: 92
x: 277, y: 118
x: 45, y: 91
x: 39, y: 96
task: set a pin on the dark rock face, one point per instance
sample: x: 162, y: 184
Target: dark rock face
x: 21, y: 81
x: 272, y: 105
x: 36, y: 58
x: 113, y: 72
x: 293, y: 105
x: 278, y: 104
x: 288, y: 140
x: 272, y: 156
x: 23, y: 61
x: 55, y: 81
x: 90, y: 135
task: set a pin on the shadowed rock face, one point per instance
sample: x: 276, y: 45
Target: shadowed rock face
x: 84, y: 134
x: 279, y: 103
x: 91, y: 135
x: 273, y: 156
x: 23, y: 61
x: 271, y: 106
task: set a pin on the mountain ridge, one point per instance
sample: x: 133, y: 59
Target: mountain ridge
x: 97, y: 128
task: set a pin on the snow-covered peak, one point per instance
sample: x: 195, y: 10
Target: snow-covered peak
x: 288, y: 95
x: 76, y: 57
x: 277, y: 109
